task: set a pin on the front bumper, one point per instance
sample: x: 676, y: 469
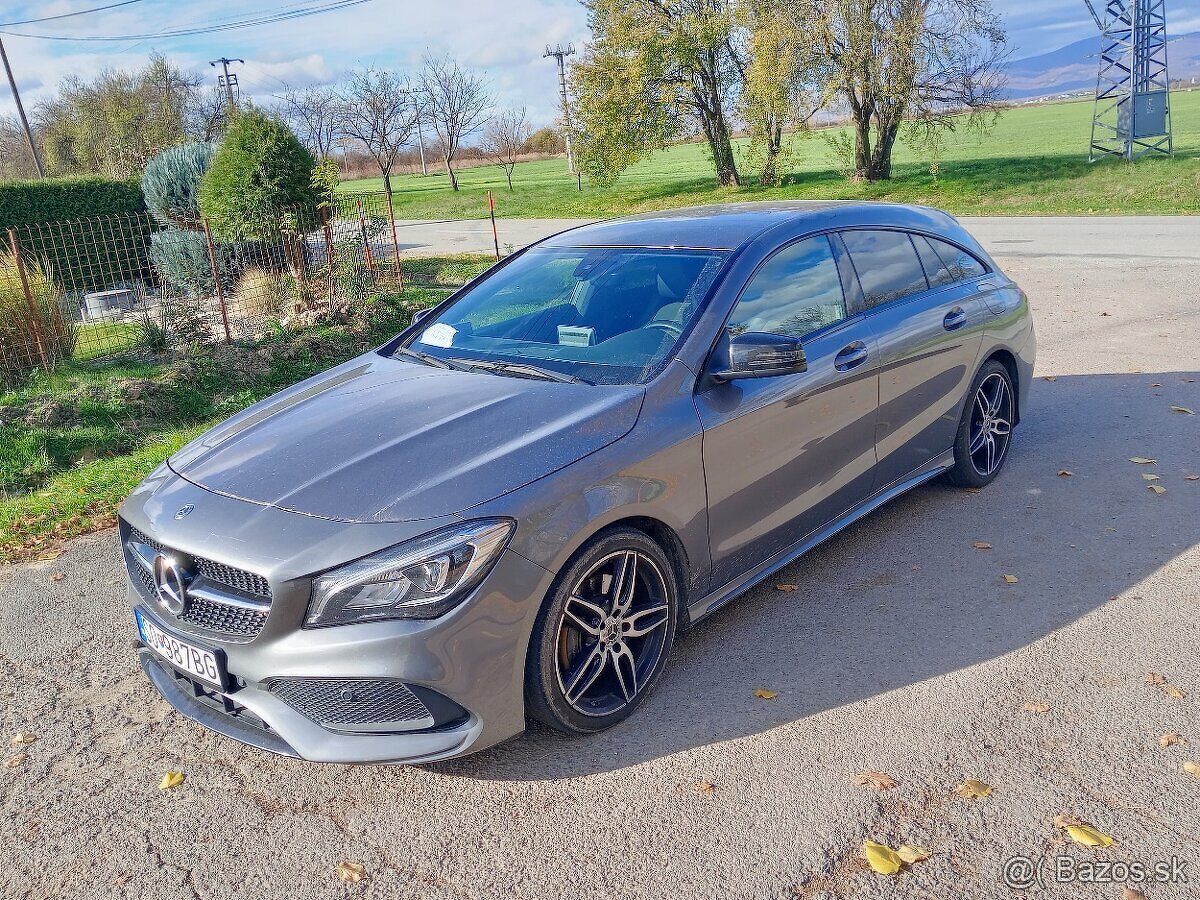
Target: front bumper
x: 473, y: 656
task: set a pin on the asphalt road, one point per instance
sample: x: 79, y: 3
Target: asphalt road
x: 903, y: 651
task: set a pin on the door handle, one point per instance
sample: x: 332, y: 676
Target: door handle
x: 955, y: 319
x: 850, y: 357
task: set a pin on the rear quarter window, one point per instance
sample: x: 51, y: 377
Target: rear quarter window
x: 887, y: 265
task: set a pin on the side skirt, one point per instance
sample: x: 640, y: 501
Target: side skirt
x: 713, y: 601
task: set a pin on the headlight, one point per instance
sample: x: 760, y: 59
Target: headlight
x: 419, y: 579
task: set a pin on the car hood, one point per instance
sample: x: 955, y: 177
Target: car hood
x: 385, y: 440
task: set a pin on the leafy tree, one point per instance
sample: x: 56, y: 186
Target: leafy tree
x: 259, y: 171
x: 171, y: 182
x: 657, y: 70
x: 923, y: 62
x: 505, y: 139
x: 113, y: 125
x: 546, y: 140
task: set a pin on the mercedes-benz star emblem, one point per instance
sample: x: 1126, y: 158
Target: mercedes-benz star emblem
x: 171, y: 582
x: 185, y: 511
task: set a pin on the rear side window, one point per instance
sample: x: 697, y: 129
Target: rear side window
x: 936, y: 269
x: 887, y: 265
x: 960, y: 264
x: 797, y: 291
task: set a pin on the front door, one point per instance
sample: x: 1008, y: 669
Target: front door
x: 784, y: 455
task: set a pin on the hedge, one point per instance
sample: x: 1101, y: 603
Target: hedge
x: 58, y: 199
x: 105, y: 253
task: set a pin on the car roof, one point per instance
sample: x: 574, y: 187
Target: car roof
x: 728, y: 226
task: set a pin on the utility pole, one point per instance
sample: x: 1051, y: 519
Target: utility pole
x: 420, y: 133
x: 229, y: 82
x: 12, y: 83
x: 560, y: 53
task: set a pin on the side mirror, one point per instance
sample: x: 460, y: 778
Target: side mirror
x: 420, y: 314
x: 758, y: 355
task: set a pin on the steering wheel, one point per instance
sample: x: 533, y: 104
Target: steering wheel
x: 672, y: 328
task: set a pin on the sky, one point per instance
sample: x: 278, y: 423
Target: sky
x: 506, y: 41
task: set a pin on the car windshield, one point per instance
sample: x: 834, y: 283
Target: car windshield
x: 600, y: 315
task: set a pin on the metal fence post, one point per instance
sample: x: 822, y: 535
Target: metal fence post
x: 212, y: 261
x: 362, y: 224
x: 329, y: 261
x: 35, y: 321
x: 395, y: 243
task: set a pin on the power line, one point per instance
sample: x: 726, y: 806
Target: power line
x: 286, y: 15
x: 70, y: 15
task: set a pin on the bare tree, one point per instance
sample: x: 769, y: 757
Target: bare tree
x: 377, y: 113
x: 208, y: 116
x: 505, y: 139
x: 314, y: 114
x: 457, y: 101
x: 16, y: 162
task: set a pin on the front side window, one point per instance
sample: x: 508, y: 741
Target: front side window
x: 795, y: 292
x: 887, y: 265
x: 601, y: 315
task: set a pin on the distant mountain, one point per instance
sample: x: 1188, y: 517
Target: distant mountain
x: 1073, y: 67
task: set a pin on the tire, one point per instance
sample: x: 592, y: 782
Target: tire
x: 583, y: 677
x: 985, y: 430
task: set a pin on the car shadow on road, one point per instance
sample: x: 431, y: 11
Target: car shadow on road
x: 903, y: 596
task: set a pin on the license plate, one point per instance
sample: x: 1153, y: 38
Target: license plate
x: 197, y: 661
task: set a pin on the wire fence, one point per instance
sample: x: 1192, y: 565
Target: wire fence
x: 97, y: 287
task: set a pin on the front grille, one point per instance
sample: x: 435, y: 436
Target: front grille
x: 203, y: 612
x: 349, y: 705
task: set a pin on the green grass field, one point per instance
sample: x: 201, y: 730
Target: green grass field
x: 1033, y: 163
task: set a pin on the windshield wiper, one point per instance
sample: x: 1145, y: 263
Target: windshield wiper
x: 430, y: 360
x: 521, y: 370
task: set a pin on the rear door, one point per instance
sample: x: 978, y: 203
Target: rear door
x: 928, y: 320
x: 784, y: 455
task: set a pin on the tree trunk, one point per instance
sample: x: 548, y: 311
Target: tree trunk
x: 387, y: 183
x: 716, y: 130
x: 879, y: 167
x: 508, y: 174
x: 862, y: 146
x: 769, y: 177
x: 450, y: 172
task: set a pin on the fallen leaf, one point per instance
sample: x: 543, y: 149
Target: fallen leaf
x: 1154, y: 678
x: 880, y: 780
x: 764, y: 694
x: 1174, y: 693
x: 1036, y: 707
x: 1065, y: 473
x: 1155, y: 384
x: 49, y: 555
x: 912, y: 854
x: 1156, y: 488
x: 881, y: 858
x: 786, y: 588
x: 1089, y: 835
x: 1011, y: 579
x: 351, y: 872
x: 121, y: 878
x: 1171, y: 738
x: 1183, y: 410
x: 1049, y: 378
x: 704, y: 787
x: 1062, y: 820
x: 1110, y: 530
x: 982, y: 545
x: 1192, y: 768
x: 14, y: 761
x: 170, y: 780
x: 1142, y: 460
x: 1132, y: 894
x: 1150, y: 476
x: 1191, y: 477
x: 23, y: 738
x: 973, y: 789
x: 58, y: 576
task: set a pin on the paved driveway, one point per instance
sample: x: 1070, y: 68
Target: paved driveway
x: 903, y: 650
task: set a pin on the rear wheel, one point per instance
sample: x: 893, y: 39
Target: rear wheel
x: 602, y: 639
x: 985, y: 431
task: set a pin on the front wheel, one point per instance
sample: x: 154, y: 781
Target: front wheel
x: 985, y: 431
x: 602, y: 639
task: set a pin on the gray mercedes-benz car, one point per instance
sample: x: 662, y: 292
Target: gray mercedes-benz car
x: 514, y: 507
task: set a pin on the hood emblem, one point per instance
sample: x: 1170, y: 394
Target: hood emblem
x: 171, y: 583
x: 185, y: 511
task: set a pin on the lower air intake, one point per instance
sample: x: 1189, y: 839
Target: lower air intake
x: 374, y: 705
